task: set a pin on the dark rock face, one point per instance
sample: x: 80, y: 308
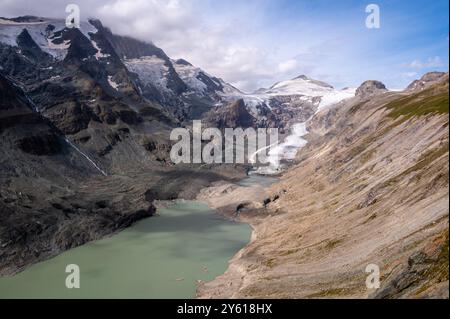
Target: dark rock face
x: 292, y: 108
x: 234, y: 115
x: 211, y: 85
x: 23, y: 68
x: 80, y: 47
x: 30, y: 49
x: 182, y: 62
x: 370, y: 88
x: 159, y: 150
x: 237, y: 115
x: 423, y: 271
x: 21, y: 127
x: 48, y: 144
x: 426, y: 80
x: 129, y: 48
x: 9, y: 98
x: 72, y: 118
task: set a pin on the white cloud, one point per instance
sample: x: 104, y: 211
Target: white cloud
x: 180, y: 28
x: 410, y: 75
x: 288, y: 66
x: 149, y: 19
x: 434, y: 62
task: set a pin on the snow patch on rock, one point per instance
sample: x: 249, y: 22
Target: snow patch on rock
x: 99, y: 53
x: 113, y: 84
x: 189, y: 74
x: 150, y: 69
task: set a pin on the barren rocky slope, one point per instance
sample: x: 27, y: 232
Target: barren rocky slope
x: 371, y: 187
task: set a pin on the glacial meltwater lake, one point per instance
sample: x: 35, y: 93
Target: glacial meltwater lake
x: 160, y: 257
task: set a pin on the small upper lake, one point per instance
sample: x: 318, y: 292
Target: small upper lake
x: 257, y: 179
x: 160, y: 257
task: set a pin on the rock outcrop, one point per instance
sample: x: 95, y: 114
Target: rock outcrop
x: 370, y: 88
x: 234, y: 115
x: 426, y: 80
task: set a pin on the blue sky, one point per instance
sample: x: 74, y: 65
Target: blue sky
x: 329, y: 40
x: 254, y: 43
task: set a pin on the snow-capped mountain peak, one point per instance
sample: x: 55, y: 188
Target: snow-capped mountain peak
x: 301, y: 92
x: 301, y: 85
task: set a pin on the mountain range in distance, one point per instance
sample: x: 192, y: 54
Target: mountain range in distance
x: 185, y: 90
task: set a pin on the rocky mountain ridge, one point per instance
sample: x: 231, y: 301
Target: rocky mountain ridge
x: 185, y: 91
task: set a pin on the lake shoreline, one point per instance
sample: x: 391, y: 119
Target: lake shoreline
x: 243, y: 204
x: 161, y: 257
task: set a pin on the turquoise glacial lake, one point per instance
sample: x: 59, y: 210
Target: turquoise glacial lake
x: 160, y: 257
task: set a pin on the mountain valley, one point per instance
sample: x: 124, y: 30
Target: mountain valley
x: 85, y: 123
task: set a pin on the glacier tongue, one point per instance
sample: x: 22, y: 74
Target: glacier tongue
x: 150, y: 69
x: 308, y: 90
x: 287, y: 150
x: 335, y: 97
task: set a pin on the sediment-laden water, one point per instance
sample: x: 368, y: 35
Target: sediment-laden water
x: 160, y: 257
